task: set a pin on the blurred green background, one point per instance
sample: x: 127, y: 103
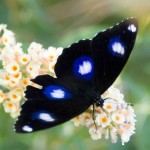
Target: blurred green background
x: 61, y: 22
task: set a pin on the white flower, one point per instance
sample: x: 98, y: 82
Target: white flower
x: 5, y: 79
x: 87, y: 119
x: 16, y: 77
x: 7, y: 55
x: 52, y: 67
x: 13, y: 83
x: 106, y: 133
x: 113, y: 134
x: 33, y: 69
x: 59, y: 50
x: 78, y: 120
x: 24, y: 59
x: 8, y: 37
x: 17, y: 49
x: 35, y: 46
x: 14, y: 96
x: 125, y: 136
x: 95, y: 133
x: 103, y: 120
x: 19, y: 90
x: 13, y: 68
x: 35, y: 50
x: 129, y: 114
x: 118, y: 118
x: 3, y: 27
x: 15, y: 113
x: 114, y: 94
x: 9, y: 106
x: 125, y: 131
x: 50, y: 54
x: 110, y: 105
x: 89, y: 122
x: 25, y: 82
x: 83, y: 119
x: 1, y: 96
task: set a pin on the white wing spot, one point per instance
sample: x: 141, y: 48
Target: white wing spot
x: 27, y: 128
x: 117, y: 47
x: 132, y: 28
x: 85, y: 68
x: 58, y: 93
x: 46, y: 117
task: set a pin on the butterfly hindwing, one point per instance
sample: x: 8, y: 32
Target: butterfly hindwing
x: 40, y: 114
x: 49, y: 106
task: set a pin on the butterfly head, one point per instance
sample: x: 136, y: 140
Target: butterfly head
x: 99, y: 102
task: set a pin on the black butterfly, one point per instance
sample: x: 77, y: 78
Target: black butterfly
x: 84, y: 71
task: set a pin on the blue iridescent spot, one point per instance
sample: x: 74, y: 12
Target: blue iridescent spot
x: 84, y: 67
x: 43, y: 116
x: 55, y: 92
x: 116, y: 47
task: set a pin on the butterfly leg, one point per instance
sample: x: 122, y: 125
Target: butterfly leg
x: 94, y: 117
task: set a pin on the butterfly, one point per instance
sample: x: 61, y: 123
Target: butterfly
x: 84, y: 71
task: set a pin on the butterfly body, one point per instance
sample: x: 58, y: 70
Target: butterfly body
x: 84, y: 71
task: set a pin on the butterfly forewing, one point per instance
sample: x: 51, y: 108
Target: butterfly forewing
x: 110, y: 50
x: 76, y: 66
x: 68, y: 63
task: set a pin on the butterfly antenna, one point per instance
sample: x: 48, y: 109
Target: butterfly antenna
x: 94, y: 118
x: 130, y: 104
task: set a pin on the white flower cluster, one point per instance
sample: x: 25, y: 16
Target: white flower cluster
x: 18, y: 67
x: 115, y: 118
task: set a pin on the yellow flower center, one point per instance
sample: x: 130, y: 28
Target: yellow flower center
x: 6, y: 40
x: 13, y: 82
x: 7, y: 77
x: 30, y: 69
x: 87, y: 117
x: 25, y: 82
x: 51, y: 56
x: 14, y: 68
x: 10, y: 105
x: 117, y: 118
x: 109, y: 107
x: 14, y: 96
x: 19, y: 90
x: 104, y: 119
x: 25, y: 59
x: 53, y: 67
x: 1, y: 95
x: 16, y: 76
x: 77, y: 117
